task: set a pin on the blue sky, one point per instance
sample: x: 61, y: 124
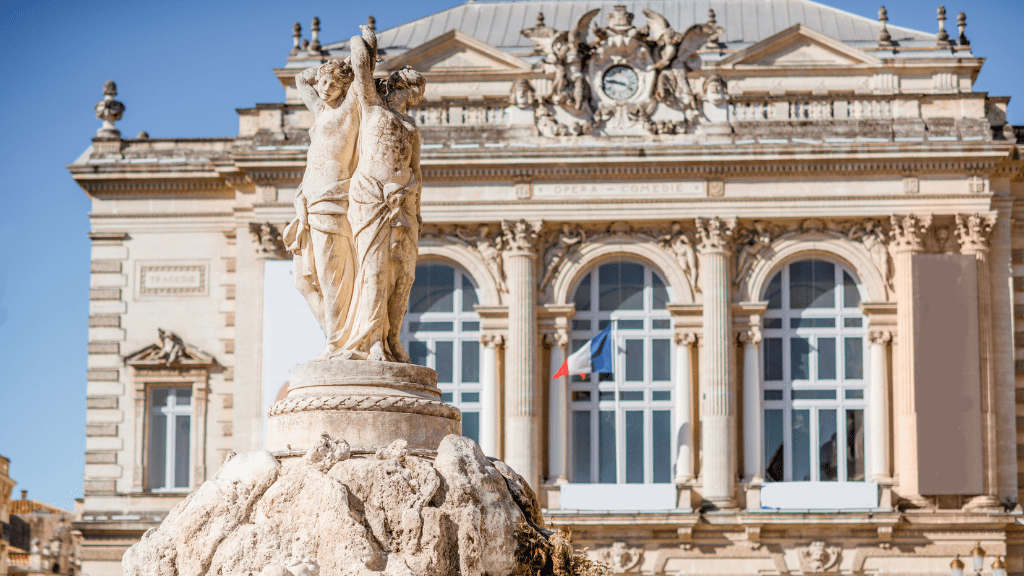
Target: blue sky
x: 182, y: 67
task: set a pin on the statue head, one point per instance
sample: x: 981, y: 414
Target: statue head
x: 715, y: 90
x: 523, y: 94
x: 333, y: 79
x: 406, y: 88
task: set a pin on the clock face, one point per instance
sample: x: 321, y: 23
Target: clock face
x: 620, y: 82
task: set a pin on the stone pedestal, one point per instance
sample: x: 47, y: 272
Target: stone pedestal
x: 369, y: 404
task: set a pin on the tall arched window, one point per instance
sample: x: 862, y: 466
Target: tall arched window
x: 621, y: 423
x: 814, y: 375
x: 442, y: 331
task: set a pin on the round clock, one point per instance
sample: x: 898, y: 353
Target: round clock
x: 620, y: 82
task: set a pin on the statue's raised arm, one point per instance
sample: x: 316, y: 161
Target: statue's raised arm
x: 364, y: 62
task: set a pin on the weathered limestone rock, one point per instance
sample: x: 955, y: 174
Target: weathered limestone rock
x: 333, y: 513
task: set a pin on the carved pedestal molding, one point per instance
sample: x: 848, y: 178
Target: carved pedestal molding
x: 973, y: 233
x: 716, y: 411
x: 558, y: 405
x: 683, y: 403
x: 489, y: 401
x: 908, y: 233
x: 522, y: 414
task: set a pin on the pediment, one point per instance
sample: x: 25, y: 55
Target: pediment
x: 169, y: 350
x: 799, y: 46
x: 456, y: 51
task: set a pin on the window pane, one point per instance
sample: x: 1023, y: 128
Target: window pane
x: 583, y: 325
x: 773, y: 358
x: 661, y: 437
x: 773, y: 323
x: 631, y: 395
x: 447, y: 397
x: 469, y: 397
x: 661, y: 324
x: 774, y: 461
x: 828, y: 449
x: 634, y: 447
x: 608, y: 281
x: 470, y: 326
x: 773, y: 394
x: 852, y: 323
x: 582, y: 297
x: 431, y: 326
x: 814, y: 394
x: 606, y: 396
x: 181, y: 451
x: 606, y: 447
x: 826, y: 358
x: 158, y: 397
x: 659, y: 395
x: 855, y: 445
x: 773, y: 294
x: 471, y: 425
x: 801, y: 446
x: 182, y: 396
x: 581, y: 396
x: 634, y: 360
x: 799, y: 359
x: 621, y: 286
x: 851, y: 296
x: 581, y: 446
x: 811, y: 284
x: 659, y: 293
x: 469, y: 299
x: 433, y: 290
x: 854, y: 394
x: 443, y: 352
x: 418, y: 353
x: 470, y: 361
x: 156, y: 469
x: 812, y: 323
x: 629, y: 324
x: 854, y: 360
x: 661, y: 360
x: 632, y: 286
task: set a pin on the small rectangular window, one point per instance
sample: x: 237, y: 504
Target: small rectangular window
x: 773, y: 323
x: 606, y: 447
x: 431, y: 326
x: 661, y: 360
x: 581, y: 396
x: 774, y: 457
x: 447, y: 397
x: 605, y: 396
x: 852, y: 323
x: 851, y: 296
x: 801, y: 446
x: 855, y: 445
x: 773, y: 294
x: 812, y: 323
x: 659, y: 293
x: 418, y: 352
x: 634, y: 447
x: 828, y: 446
x: 854, y: 358
x: 773, y: 358
x: 826, y: 358
x: 629, y: 324
x: 854, y: 394
x: 471, y: 425
x: 814, y: 394
x: 470, y: 326
x: 581, y: 446
x: 443, y: 357
x: 631, y: 395
x: 661, y: 324
x: 800, y: 359
x: 661, y: 438
x: 602, y: 324
x: 582, y: 298
x: 470, y: 397
x: 469, y: 300
x: 169, y: 437
x: 661, y: 395
x: 634, y: 360
x: 773, y: 395
x: 581, y: 325
x: 470, y: 361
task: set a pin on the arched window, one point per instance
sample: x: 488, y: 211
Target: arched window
x: 621, y: 423
x: 442, y: 331
x: 814, y: 375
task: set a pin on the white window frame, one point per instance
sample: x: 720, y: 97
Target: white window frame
x: 617, y: 384
x: 172, y: 411
x: 456, y: 391
x: 777, y: 323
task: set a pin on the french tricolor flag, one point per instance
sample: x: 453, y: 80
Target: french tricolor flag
x: 594, y: 356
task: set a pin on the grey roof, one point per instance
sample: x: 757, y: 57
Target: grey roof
x: 746, y: 22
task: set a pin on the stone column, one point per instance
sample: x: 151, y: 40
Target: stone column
x: 716, y: 410
x: 558, y: 406
x: 522, y: 422
x: 878, y: 408
x: 973, y: 233
x: 683, y: 404
x: 753, y: 452
x: 489, y: 417
x: 907, y: 239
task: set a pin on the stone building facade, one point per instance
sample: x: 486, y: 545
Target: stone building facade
x: 6, y: 485
x: 41, y: 539
x: 801, y: 224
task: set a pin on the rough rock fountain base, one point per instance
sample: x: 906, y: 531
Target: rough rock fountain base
x: 369, y: 404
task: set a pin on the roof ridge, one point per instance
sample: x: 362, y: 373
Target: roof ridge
x: 858, y: 16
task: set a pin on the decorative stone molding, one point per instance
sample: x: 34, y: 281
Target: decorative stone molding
x: 880, y: 336
x: 267, y: 238
x: 908, y: 232
x: 685, y: 338
x: 973, y: 232
x: 520, y: 236
x: 561, y: 245
x: 715, y: 233
x: 489, y: 247
x: 819, y: 558
x: 680, y: 242
x: 620, y: 558
x: 911, y: 185
x: 169, y: 351
x: 492, y: 340
x: 754, y: 242
x: 751, y: 335
x: 367, y: 403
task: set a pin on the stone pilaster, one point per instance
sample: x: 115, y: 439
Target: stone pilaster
x: 907, y: 239
x: 489, y: 402
x: 683, y: 403
x: 716, y: 398
x: 753, y: 452
x: 878, y: 408
x: 558, y: 405
x: 522, y: 414
x: 973, y: 233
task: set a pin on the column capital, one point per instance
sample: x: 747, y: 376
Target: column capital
x: 751, y: 335
x: 492, y: 340
x: 686, y: 338
x: 715, y: 234
x: 973, y: 232
x: 521, y: 236
x: 908, y: 231
x: 880, y: 336
x: 557, y: 338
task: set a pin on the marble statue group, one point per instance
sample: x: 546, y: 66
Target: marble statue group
x: 357, y: 226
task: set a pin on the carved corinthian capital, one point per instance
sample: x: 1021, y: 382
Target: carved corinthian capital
x: 973, y: 232
x: 715, y: 233
x: 908, y: 232
x: 520, y: 236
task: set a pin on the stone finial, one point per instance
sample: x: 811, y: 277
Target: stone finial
x: 942, y: 37
x: 884, y: 39
x: 296, y: 39
x: 371, y: 23
x: 314, y: 41
x: 961, y: 23
x: 143, y: 135
x: 109, y: 111
x: 713, y: 42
